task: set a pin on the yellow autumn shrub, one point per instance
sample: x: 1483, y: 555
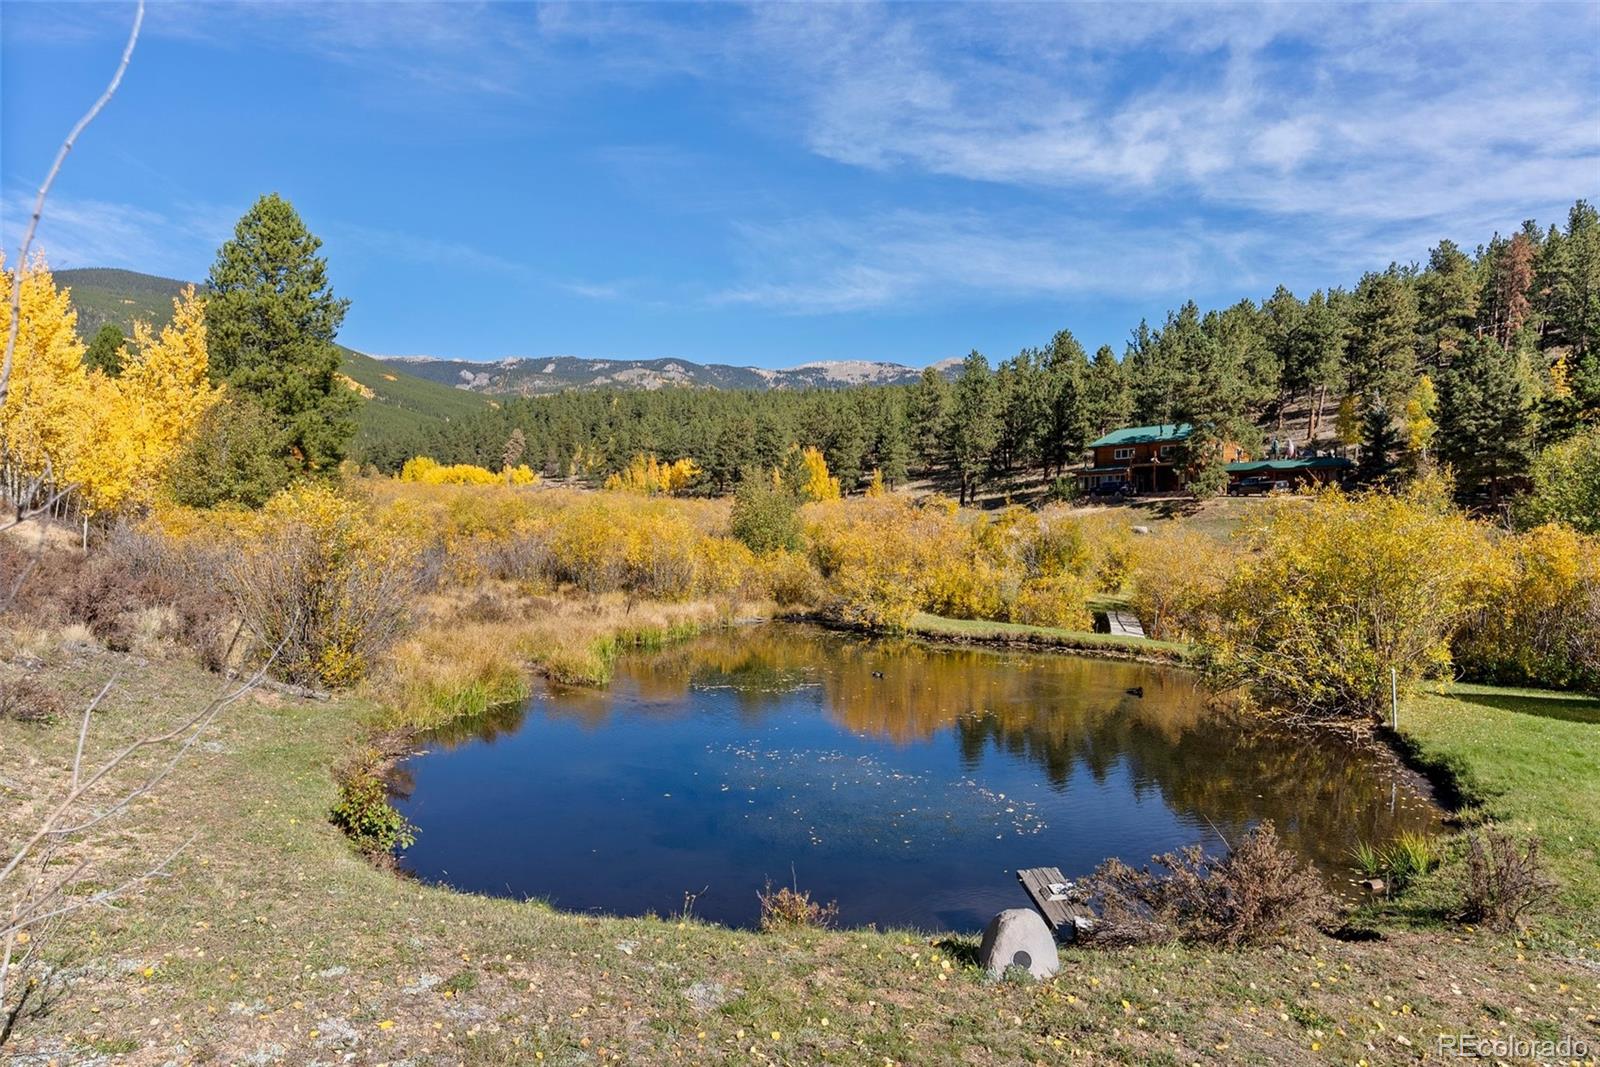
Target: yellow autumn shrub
x: 874, y: 557
x: 648, y: 475
x: 1176, y: 576
x: 1540, y: 623
x: 320, y: 585
x: 429, y: 471
x: 1337, y: 593
x: 818, y: 484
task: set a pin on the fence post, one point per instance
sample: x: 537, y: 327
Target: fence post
x: 1394, y: 700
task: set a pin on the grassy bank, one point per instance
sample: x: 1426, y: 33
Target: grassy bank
x: 1530, y: 760
x: 271, y: 940
x: 979, y: 631
x: 472, y: 654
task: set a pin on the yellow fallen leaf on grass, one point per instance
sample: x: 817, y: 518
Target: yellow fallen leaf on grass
x: 387, y: 1024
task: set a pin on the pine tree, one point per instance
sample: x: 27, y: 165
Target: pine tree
x: 1107, y: 403
x: 1573, y: 276
x: 1506, y: 302
x: 1447, y: 303
x: 105, y: 351
x: 1021, y: 385
x: 1382, y: 356
x: 974, y: 423
x: 1150, y: 375
x: 846, y: 442
x: 1380, y: 442
x: 929, y: 414
x: 1319, y: 353
x: 891, y: 448
x: 271, y: 319
x: 1066, y: 409
x: 1483, y: 419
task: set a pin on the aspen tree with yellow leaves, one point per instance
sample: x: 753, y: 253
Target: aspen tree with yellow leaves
x: 112, y: 440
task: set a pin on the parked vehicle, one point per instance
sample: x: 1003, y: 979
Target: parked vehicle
x: 1255, y: 485
x: 1112, y: 491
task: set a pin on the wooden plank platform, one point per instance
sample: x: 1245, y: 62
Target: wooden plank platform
x: 1063, y: 915
x: 1124, y: 624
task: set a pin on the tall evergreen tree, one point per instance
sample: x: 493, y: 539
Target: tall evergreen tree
x: 1483, y: 419
x: 1319, y: 354
x: 1152, y: 380
x: 1066, y: 411
x: 1021, y: 389
x: 105, y: 350
x: 929, y: 413
x: 1107, y: 404
x: 271, y: 319
x: 1380, y: 443
x: 845, y: 444
x: 1572, y: 273
x: 891, y: 446
x: 1506, y: 304
x: 1382, y: 357
x: 974, y: 423
x: 1447, y: 303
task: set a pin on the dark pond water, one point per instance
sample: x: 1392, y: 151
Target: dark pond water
x: 908, y: 783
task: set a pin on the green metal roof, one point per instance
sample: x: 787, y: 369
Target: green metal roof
x: 1143, y: 435
x: 1312, y: 463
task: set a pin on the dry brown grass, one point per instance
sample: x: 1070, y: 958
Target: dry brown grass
x: 793, y: 909
x: 475, y: 650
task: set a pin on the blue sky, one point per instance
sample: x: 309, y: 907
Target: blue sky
x: 773, y: 184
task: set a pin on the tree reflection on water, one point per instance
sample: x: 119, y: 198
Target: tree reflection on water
x: 1063, y: 714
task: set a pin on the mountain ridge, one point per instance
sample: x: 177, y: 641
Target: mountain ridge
x: 114, y: 295
x: 542, y: 375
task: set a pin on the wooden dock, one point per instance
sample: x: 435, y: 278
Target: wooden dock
x: 1124, y: 624
x: 1046, y: 887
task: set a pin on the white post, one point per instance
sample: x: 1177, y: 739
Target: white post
x: 1394, y: 700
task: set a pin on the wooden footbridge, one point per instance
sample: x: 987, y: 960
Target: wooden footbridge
x: 1048, y: 889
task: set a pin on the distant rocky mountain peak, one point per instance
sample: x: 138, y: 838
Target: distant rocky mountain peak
x: 538, y: 375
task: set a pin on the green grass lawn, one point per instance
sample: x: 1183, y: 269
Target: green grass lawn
x: 273, y: 942
x: 1529, y: 759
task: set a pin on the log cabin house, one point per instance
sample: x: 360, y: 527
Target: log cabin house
x: 1150, y: 460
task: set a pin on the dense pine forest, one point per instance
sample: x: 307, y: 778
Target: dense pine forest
x: 1473, y: 359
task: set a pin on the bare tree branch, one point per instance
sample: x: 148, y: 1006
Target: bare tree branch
x: 44, y: 190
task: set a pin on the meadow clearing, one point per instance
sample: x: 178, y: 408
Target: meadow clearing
x: 272, y: 937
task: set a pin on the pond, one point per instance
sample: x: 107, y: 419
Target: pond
x: 904, y: 781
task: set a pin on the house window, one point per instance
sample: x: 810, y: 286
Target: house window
x: 1166, y: 450
x: 1123, y: 453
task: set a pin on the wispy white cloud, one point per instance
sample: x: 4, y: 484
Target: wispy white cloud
x: 76, y: 232
x: 1335, y: 135
x: 1367, y: 112
x: 828, y: 264
x: 1026, y: 150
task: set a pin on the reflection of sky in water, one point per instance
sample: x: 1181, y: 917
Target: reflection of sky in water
x: 906, y: 782
x: 861, y: 800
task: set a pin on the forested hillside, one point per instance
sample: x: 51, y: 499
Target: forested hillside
x: 1472, y: 359
x: 395, y: 403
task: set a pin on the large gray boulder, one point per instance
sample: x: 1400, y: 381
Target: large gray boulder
x: 1019, y: 937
